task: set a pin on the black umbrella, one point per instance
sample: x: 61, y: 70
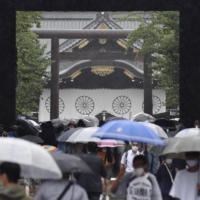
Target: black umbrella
x: 164, y: 123
x: 32, y: 138
x: 114, y: 118
x: 71, y: 164
x: 65, y: 135
x: 24, y: 128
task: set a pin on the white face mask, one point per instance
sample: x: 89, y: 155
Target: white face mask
x: 104, y: 150
x: 168, y: 161
x: 134, y: 148
x: 138, y: 171
x: 191, y: 163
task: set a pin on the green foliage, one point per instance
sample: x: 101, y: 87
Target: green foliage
x: 31, y: 76
x: 159, y: 32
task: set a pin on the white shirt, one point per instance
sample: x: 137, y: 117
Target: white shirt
x: 128, y: 162
x: 185, y: 186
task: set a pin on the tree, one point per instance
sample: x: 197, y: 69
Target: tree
x: 159, y: 32
x: 31, y: 73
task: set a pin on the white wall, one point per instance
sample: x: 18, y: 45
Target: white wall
x: 103, y: 99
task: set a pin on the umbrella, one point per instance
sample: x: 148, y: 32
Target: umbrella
x: 70, y: 163
x: 110, y: 143
x: 32, y: 138
x: 188, y: 132
x: 114, y: 118
x: 66, y: 134
x: 142, y: 117
x: 50, y: 148
x: 90, y: 121
x: 34, y: 161
x: 165, y: 123
x: 157, y: 129
x: 25, y: 128
x: 184, y: 144
x: 33, y: 123
x: 128, y: 131
x: 59, y: 122
x: 172, y: 133
x: 84, y: 135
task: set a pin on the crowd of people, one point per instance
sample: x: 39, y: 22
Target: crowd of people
x: 130, y: 171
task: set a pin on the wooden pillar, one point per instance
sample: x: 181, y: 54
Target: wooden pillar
x: 147, y: 86
x: 190, y: 64
x: 8, y: 69
x: 54, y: 110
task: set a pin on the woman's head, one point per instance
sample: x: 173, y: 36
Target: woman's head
x: 104, y: 149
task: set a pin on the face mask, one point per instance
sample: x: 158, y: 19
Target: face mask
x: 134, y: 148
x: 168, y: 161
x: 104, y: 150
x: 191, y: 163
x: 138, y: 171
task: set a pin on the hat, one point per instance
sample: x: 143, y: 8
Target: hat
x: 72, y: 121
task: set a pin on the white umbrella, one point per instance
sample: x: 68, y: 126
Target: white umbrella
x: 188, y: 132
x: 84, y: 135
x: 90, y: 120
x: 157, y: 129
x: 142, y: 117
x: 35, y: 162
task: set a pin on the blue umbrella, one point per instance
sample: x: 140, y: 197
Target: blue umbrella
x: 128, y: 131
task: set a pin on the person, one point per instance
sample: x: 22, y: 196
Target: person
x: 127, y: 158
x: 72, y: 124
x: 92, y: 182
x: 165, y: 177
x: 48, y: 134
x: 153, y: 161
x: 181, y: 125
x: 79, y: 147
x: 81, y: 123
x: 139, y: 184
x: 186, y: 181
x: 61, y: 189
x: 9, y: 176
x: 108, y: 160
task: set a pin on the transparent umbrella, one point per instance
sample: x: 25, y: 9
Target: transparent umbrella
x: 157, y: 129
x: 142, y: 117
x: 188, y: 132
x: 90, y: 120
x: 84, y: 135
x: 35, y: 162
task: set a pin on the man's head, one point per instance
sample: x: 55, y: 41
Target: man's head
x: 134, y: 146
x: 79, y: 147
x: 140, y: 165
x: 91, y: 147
x: 9, y: 173
x: 72, y: 124
x: 192, y: 159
